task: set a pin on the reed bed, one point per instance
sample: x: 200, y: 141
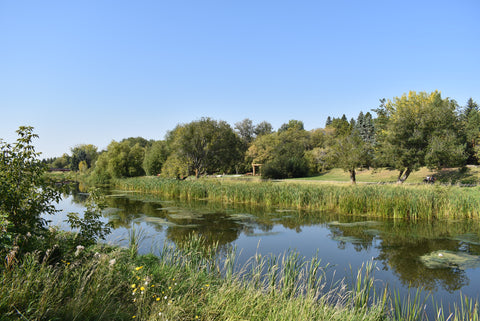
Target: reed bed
x: 392, y: 201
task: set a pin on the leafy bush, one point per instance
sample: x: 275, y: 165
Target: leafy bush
x: 24, y: 192
x: 285, y: 167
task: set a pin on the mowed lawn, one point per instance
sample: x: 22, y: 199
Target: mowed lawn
x: 468, y: 175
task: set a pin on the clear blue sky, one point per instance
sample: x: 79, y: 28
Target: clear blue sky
x: 93, y: 71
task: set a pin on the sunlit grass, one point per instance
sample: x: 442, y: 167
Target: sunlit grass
x: 190, y: 282
x: 406, y: 201
x: 469, y: 175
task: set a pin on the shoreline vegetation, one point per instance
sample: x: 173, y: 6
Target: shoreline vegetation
x: 190, y: 282
x: 411, y: 202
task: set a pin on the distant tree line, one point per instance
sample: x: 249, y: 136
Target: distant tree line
x: 408, y: 132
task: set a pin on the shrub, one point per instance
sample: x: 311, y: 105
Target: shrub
x: 285, y: 167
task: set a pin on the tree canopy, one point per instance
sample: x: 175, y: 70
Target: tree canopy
x: 206, y: 146
x: 408, y: 132
x: 421, y: 129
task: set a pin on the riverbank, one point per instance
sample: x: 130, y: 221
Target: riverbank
x: 189, y: 282
x: 184, y: 283
x: 407, y: 202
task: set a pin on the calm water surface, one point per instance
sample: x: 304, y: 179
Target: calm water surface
x: 344, y: 242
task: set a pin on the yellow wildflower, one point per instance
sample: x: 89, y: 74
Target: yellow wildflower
x: 138, y: 268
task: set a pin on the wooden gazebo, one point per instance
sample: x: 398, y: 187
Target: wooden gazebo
x: 254, y: 166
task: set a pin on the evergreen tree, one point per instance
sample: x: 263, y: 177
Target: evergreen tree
x: 328, y: 122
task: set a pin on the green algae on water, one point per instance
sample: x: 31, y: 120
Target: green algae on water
x: 448, y: 259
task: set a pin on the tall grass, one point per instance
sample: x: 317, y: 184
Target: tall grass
x: 188, y: 282
x: 410, y: 202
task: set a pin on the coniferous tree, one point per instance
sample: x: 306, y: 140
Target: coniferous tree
x: 328, y: 122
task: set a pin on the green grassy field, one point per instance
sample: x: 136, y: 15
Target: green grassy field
x: 468, y: 175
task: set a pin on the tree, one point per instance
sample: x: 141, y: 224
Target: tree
x: 245, y: 130
x: 155, y: 157
x: 82, y: 166
x: 90, y: 226
x: 365, y: 127
x: 328, y: 122
x: 175, y: 166
x: 135, y: 161
x: 132, y: 141
x: 470, y: 120
x: 415, y: 123
x: 264, y: 128
x: 341, y: 125
x: 349, y: 152
x: 292, y: 124
x: 285, y: 167
x: 24, y: 193
x: 84, y: 152
x: 61, y: 162
x: 282, y: 152
x: 317, y: 159
x: 470, y: 107
x: 120, y: 160
x: 207, y: 146
x: 262, y: 149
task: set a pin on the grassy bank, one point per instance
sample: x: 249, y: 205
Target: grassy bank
x: 190, y: 283
x: 452, y: 176
x: 412, y: 202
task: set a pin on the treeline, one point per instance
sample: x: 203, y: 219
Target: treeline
x: 408, y: 132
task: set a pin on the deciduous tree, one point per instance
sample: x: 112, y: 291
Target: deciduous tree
x: 416, y: 123
x: 206, y: 145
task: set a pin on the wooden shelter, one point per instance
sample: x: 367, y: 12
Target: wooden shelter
x: 254, y: 166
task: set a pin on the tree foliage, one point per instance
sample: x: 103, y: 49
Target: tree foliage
x: 120, y: 160
x: 206, y: 146
x: 24, y: 192
x: 155, y: 157
x: 90, y: 226
x: 470, y: 124
x: 416, y: 126
x: 85, y: 152
x: 349, y: 152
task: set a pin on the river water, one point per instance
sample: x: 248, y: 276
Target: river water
x: 441, y: 257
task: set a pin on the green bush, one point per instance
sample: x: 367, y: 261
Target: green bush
x: 285, y: 167
x: 24, y: 192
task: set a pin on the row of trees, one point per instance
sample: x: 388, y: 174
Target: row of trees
x: 414, y: 130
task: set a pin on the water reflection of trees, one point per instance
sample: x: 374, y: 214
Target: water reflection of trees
x: 401, y: 244
x: 404, y: 261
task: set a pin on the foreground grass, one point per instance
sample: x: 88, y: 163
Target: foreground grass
x: 190, y: 283
x: 411, y: 202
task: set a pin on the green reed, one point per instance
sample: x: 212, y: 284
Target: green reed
x: 189, y: 282
x: 406, y: 202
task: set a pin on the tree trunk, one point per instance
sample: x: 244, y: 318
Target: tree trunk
x: 402, y: 177
x: 196, y: 173
x: 353, y: 179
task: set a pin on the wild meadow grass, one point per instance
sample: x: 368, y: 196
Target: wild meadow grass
x: 409, y: 202
x: 191, y: 282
